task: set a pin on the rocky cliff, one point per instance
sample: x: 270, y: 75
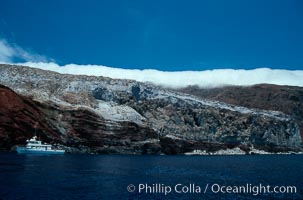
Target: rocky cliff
x: 103, y: 115
x: 286, y: 99
x: 79, y: 130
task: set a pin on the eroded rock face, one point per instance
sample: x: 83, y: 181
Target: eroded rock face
x: 18, y: 117
x: 199, y: 123
x: 103, y: 115
x: 287, y: 99
x: 80, y: 130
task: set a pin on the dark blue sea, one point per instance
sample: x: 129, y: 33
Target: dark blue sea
x: 149, y: 177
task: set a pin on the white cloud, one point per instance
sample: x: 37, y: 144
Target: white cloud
x: 10, y: 52
x: 208, y: 78
x: 6, y: 52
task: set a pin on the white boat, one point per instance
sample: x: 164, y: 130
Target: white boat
x: 34, y: 146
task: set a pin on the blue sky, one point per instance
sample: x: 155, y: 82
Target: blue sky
x: 167, y: 35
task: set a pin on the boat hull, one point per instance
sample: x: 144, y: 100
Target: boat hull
x: 22, y: 150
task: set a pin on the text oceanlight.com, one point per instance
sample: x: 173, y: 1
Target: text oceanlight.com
x: 192, y: 188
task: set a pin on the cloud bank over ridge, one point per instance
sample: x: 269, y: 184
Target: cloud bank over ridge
x: 9, y: 53
x: 178, y: 79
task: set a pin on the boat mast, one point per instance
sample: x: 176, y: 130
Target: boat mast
x: 35, y: 126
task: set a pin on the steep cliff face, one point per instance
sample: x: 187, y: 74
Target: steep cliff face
x: 18, y: 117
x: 79, y: 130
x: 103, y: 115
x: 287, y: 99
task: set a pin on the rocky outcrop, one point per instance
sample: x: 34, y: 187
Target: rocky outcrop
x: 79, y: 130
x: 18, y: 118
x: 287, y: 99
x: 103, y: 115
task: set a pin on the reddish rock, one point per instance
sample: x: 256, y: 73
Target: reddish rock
x: 18, y: 117
x: 79, y: 130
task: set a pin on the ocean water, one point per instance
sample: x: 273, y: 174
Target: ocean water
x: 111, y: 176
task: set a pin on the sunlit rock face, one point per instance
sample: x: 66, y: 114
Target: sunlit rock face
x: 89, y: 114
